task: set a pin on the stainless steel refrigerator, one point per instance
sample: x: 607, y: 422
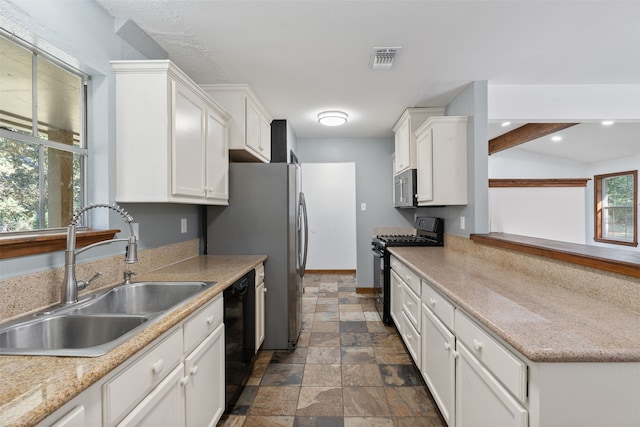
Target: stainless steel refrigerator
x: 267, y: 215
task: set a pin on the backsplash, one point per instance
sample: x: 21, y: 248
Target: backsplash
x: 22, y: 294
x: 615, y: 288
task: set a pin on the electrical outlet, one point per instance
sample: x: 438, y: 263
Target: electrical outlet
x: 363, y: 206
x: 183, y: 225
x: 462, y: 224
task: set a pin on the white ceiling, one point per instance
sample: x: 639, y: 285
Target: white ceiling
x: 585, y: 142
x: 303, y: 57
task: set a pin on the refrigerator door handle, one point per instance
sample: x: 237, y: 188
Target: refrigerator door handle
x: 302, y: 214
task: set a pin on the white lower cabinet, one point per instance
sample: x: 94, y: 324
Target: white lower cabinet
x: 261, y: 290
x: 396, y: 300
x: 204, y: 388
x: 439, y: 363
x: 83, y: 410
x: 480, y: 399
x: 191, y: 394
x: 164, y: 406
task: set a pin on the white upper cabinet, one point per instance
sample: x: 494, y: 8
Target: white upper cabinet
x: 250, y: 125
x: 405, y: 138
x: 171, y: 137
x: 442, y: 161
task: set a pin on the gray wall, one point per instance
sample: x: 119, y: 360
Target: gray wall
x: 81, y: 33
x: 471, y: 102
x: 374, y: 186
x: 374, y: 179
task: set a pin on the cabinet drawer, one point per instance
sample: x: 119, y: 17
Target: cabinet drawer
x: 259, y: 274
x: 411, y: 306
x: 405, y: 273
x: 125, y: 390
x: 507, y: 368
x: 411, y: 338
x: 437, y: 304
x: 203, y: 323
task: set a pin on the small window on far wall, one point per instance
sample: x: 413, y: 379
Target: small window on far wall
x: 616, y: 208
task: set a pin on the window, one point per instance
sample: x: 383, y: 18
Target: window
x: 43, y: 148
x: 616, y: 201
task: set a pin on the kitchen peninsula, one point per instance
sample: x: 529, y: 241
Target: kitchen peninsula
x: 558, y: 356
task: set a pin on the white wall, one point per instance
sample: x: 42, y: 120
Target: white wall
x: 330, y: 193
x: 546, y: 213
x: 557, y: 214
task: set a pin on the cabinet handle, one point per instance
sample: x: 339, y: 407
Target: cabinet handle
x: 455, y: 354
x: 194, y: 370
x: 477, y: 345
x: 447, y: 346
x: 184, y: 381
x: 409, y: 303
x: 157, y: 367
x: 209, y: 320
x: 264, y: 290
x: 432, y: 302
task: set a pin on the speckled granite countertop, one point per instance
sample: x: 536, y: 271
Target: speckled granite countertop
x: 32, y: 387
x: 544, y: 321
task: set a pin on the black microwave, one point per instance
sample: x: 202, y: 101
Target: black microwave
x: 404, y: 189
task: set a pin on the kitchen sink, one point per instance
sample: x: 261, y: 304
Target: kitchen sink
x: 142, y: 298
x: 68, y: 335
x: 98, y: 323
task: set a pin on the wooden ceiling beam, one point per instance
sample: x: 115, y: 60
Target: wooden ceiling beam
x: 525, y: 133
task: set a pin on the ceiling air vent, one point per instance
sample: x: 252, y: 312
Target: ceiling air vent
x: 382, y: 57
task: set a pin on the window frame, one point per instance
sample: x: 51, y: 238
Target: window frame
x: 81, y: 149
x: 597, y: 213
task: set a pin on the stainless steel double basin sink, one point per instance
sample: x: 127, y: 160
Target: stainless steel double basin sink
x: 98, y: 323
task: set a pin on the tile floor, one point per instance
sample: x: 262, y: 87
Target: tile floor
x: 349, y: 370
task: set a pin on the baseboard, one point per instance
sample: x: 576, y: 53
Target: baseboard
x: 330, y: 271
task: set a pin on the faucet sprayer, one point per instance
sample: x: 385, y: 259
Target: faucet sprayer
x: 70, y: 285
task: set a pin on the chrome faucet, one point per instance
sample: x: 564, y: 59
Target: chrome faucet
x: 70, y: 285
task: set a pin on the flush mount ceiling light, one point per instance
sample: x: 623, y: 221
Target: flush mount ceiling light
x: 332, y: 118
x: 556, y: 138
x: 607, y: 122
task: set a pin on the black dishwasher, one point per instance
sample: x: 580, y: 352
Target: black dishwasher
x: 239, y: 330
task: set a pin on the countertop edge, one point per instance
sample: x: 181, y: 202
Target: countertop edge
x: 131, y: 347
x: 536, y: 355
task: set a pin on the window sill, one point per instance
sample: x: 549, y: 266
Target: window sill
x: 13, y: 247
x: 608, y: 259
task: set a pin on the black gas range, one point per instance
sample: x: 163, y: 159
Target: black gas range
x: 429, y: 232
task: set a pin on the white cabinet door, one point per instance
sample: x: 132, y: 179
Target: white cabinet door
x: 402, y: 142
x: 168, y: 148
x: 217, y: 159
x: 75, y: 418
x: 187, y: 143
x: 396, y: 300
x: 442, y: 161
x: 252, y: 125
x: 425, y: 167
x: 439, y: 363
x: 260, y: 299
x: 265, y: 137
x: 480, y: 400
x: 205, y: 389
x: 164, y: 406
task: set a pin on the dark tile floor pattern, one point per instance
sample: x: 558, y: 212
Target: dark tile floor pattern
x: 349, y: 370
